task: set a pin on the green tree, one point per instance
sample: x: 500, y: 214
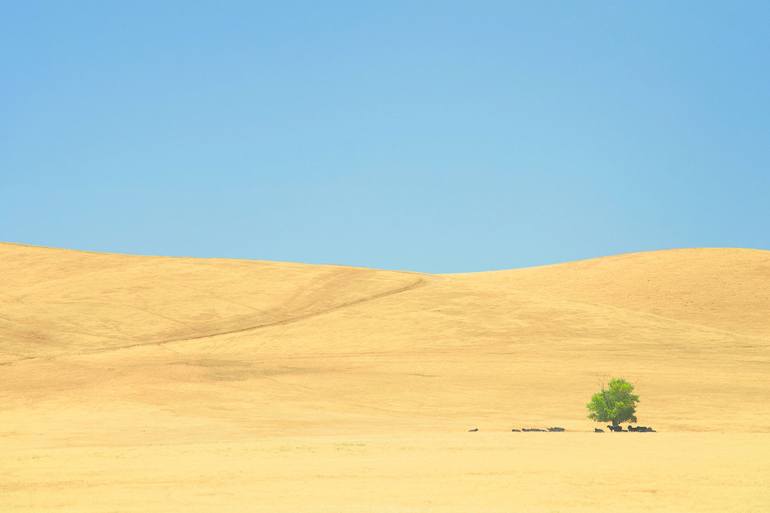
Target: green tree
x: 616, y: 403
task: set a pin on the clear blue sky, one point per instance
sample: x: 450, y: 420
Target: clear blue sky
x: 430, y: 136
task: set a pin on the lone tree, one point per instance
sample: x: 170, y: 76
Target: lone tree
x: 615, y: 404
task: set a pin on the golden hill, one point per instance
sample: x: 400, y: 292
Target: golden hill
x: 129, y: 351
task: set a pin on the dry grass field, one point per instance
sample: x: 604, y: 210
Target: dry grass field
x: 152, y: 384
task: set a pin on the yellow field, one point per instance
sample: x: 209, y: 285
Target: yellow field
x: 148, y: 384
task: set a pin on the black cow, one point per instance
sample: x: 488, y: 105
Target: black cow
x: 598, y: 430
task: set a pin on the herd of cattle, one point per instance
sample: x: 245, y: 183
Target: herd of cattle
x: 551, y: 429
x: 556, y: 429
x: 617, y: 429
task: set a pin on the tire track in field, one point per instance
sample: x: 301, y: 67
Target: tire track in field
x: 420, y: 282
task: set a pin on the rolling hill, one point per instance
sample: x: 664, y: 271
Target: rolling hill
x: 106, y: 350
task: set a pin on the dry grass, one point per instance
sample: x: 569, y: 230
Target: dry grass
x: 172, y: 384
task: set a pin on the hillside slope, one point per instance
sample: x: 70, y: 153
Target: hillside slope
x: 66, y: 302
x: 721, y: 288
x: 264, y: 347
x: 152, y: 385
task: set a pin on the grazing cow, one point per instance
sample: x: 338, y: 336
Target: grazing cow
x: 598, y: 430
x: 532, y: 429
x: 615, y: 429
x: 473, y: 430
x: 556, y: 429
x: 516, y: 430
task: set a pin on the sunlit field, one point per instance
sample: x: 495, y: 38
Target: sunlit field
x: 146, y: 384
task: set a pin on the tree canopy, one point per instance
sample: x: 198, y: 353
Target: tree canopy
x: 616, y: 403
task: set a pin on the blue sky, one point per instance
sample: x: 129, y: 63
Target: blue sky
x: 429, y: 136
